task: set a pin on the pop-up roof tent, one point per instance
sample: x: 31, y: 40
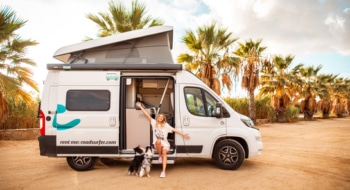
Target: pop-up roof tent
x: 150, y: 45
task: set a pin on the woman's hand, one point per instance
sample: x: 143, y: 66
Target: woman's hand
x: 138, y: 104
x: 187, y: 136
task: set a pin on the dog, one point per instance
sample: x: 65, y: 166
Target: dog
x: 136, y: 162
x: 147, y: 162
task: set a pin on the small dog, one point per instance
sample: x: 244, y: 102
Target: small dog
x: 136, y: 162
x: 147, y: 162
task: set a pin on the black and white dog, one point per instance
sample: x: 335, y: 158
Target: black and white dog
x: 136, y: 162
x: 147, y: 162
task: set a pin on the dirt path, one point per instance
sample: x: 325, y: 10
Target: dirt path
x: 302, y: 155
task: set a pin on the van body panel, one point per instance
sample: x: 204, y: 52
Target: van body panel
x: 83, y: 131
x: 216, y: 128
x: 199, y: 126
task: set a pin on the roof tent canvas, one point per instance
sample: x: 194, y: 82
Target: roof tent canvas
x: 150, y: 45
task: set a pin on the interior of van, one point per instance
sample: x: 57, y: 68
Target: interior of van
x: 156, y: 94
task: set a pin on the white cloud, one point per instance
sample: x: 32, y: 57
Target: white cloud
x: 336, y: 22
x: 263, y: 7
x: 295, y: 27
x: 185, y: 4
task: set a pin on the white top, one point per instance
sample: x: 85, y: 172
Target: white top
x: 161, y: 133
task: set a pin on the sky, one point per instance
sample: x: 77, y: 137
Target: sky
x: 315, y: 32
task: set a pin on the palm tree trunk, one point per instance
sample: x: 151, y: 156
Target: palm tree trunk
x: 325, y: 107
x: 252, y: 110
x: 309, y: 109
x: 280, y: 114
x: 325, y: 115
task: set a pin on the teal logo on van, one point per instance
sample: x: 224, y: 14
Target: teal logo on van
x: 112, y: 76
x: 59, y: 110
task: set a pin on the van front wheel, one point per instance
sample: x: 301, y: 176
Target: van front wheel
x: 229, y: 154
x: 81, y: 163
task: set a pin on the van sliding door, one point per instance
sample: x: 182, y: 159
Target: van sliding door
x: 135, y: 128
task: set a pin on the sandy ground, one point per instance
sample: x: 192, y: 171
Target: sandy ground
x: 302, y: 155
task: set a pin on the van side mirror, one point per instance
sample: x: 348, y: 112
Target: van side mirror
x: 219, y: 110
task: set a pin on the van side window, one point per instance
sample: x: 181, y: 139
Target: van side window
x: 88, y: 100
x: 211, y: 105
x: 199, y: 102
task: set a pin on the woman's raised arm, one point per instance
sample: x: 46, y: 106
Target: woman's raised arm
x: 138, y: 104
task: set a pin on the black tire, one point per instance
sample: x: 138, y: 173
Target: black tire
x: 229, y: 154
x: 81, y: 163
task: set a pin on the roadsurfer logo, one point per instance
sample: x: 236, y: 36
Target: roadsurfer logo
x: 59, y: 110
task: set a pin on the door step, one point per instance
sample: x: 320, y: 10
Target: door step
x: 171, y: 160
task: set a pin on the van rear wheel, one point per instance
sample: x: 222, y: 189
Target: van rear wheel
x: 81, y: 163
x: 229, y: 154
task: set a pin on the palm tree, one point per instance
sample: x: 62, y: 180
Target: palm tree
x: 342, y: 96
x: 209, y: 58
x: 12, y: 51
x: 325, y: 83
x: 346, y: 93
x: 119, y: 19
x: 278, y: 81
x: 309, y: 90
x: 339, y: 107
x: 250, y: 52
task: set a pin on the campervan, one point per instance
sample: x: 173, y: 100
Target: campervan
x: 88, y: 107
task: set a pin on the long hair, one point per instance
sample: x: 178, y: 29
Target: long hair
x: 161, y: 123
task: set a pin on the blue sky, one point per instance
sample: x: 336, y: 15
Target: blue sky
x: 316, y: 32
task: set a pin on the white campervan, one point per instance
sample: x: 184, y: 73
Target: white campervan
x: 88, y: 104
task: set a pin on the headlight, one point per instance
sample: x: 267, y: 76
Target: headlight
x: 248, y: 122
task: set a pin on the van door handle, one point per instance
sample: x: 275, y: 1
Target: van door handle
x: 186, y: 121
x: 112, y: 121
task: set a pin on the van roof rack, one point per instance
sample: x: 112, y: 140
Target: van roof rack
x: 109, y: 66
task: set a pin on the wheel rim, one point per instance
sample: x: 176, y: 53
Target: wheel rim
x: 228, y: 155
x: 81, y: 160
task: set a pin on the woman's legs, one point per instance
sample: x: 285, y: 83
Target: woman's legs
x: 162, y: 153
x: 159, y: 147
x: 165, y: 159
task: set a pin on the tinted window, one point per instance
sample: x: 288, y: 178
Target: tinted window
x: 88, y: 100
x: 211, y: 105
x: 199, y: 102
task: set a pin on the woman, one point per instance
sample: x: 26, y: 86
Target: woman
x: 160, y: 130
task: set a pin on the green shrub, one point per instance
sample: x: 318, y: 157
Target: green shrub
x: 292, y: 113
x: 21, y: 116
x: 240, y: 105
x: 262, y: 105
x: 263, y: 108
